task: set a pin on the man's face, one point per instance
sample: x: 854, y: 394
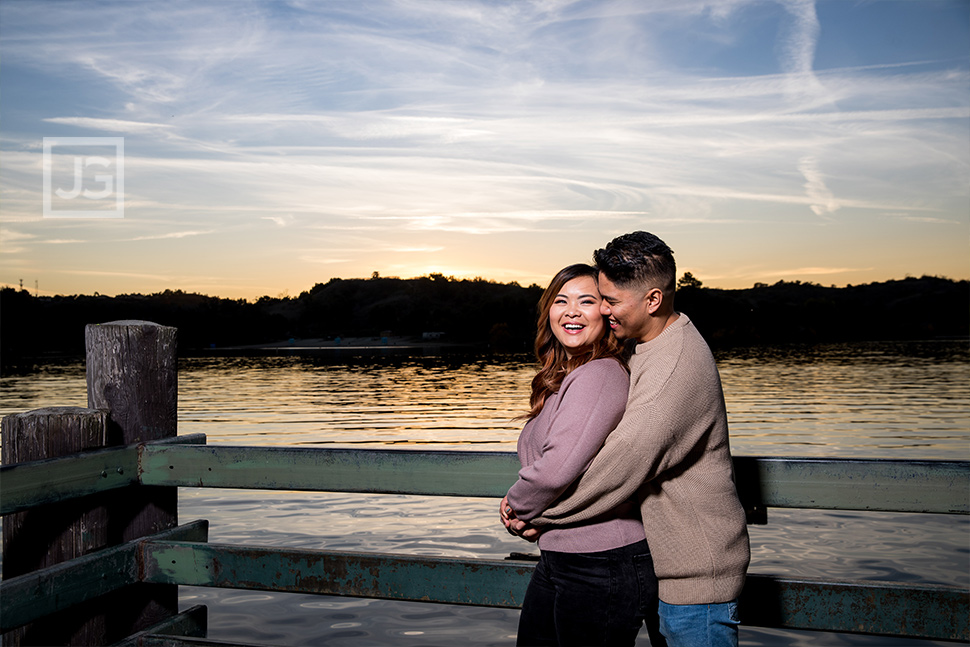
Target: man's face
x: 627, y: 309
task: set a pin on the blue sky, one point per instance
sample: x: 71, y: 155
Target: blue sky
x: 269, y: 146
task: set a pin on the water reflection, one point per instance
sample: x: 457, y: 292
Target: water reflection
x: 880, y: 400
x: 383, y: 401
x: 876, y: 400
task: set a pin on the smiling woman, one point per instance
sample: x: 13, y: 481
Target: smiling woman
x: 594, y: 583
x: 575, y: 317
x: 559, y: 350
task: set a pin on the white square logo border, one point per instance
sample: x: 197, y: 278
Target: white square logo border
x: 113, y: 183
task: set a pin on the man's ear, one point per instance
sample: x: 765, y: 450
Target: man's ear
x: 654, y: 299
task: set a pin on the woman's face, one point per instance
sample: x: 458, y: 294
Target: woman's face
x: 575, y: 317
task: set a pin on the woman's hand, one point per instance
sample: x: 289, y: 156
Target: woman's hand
x: 514, y: 525
x: 505, y: 513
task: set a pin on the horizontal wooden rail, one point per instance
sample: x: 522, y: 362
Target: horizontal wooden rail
x: 479, y: 582
x: 32, y: 596
x: 27, y: 485
x: 29, y: 597
x: 855, y: 484
x: 763, y: 482
x: 377, y: 471
x: 859, y: 606
x: 886, y: 608
x: 837, y: 484
x: 181, y: 557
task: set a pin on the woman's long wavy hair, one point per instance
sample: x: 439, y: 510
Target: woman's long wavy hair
x: 554, y: 365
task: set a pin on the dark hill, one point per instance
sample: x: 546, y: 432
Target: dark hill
x: 912, y: 308
x: 489, y: 314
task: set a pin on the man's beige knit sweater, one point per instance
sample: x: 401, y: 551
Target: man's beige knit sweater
x: 671, y: 451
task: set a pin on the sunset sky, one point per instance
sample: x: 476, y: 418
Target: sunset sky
x: 270, y: 146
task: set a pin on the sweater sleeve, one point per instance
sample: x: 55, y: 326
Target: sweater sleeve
x: 669, y: 413
x: 591, y: 403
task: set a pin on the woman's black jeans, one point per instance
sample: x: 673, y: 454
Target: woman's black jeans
x: 583, y: 599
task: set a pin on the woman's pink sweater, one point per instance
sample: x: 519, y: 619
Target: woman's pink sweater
x: 557, y: 446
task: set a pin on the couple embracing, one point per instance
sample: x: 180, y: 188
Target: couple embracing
x: 627, y: 481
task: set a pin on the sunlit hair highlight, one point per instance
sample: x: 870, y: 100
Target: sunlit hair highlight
x: 554, y: 365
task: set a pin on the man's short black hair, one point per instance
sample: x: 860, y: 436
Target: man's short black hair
x: 640, y: 259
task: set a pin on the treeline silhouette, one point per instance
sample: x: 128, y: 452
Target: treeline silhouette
x: 496, y: 316
x: 474, y: 311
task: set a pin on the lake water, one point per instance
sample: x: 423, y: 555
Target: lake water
x: 878, y: 400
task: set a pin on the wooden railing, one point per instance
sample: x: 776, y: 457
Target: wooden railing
x: 120, y: 591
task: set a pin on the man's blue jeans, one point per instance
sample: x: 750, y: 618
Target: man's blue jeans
x: 700, y: 625
x: 589, y: 599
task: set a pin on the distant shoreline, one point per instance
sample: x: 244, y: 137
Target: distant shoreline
x: 439, y: 316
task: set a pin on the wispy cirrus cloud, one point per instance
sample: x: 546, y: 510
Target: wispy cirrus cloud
x: 815, y: 271
x: 111, y: 125
x: 823, y: 202
x: 13, y: 241
x: 798, y: 50
x: 161, y: 278
x: 173, y: 234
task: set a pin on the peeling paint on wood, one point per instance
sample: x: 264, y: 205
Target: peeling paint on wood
x: 494, y: 583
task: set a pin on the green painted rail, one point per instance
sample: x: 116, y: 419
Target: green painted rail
x: 859, y: 606
x: 479, y: 582
x: 887, y: 608
x: 836, y: 484
x: 27, y: 485
x: 182, y: 556
x: 34, y: 595
x: 884, y: 485
x: 395, y: 471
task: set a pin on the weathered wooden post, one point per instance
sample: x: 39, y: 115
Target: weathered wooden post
x: 132, y: 378
x: 132, y: 373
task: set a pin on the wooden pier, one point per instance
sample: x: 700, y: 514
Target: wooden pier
x: 93, y: 553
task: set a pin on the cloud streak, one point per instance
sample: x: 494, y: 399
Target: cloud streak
x: 111, y: 125
x: 823, y: 202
